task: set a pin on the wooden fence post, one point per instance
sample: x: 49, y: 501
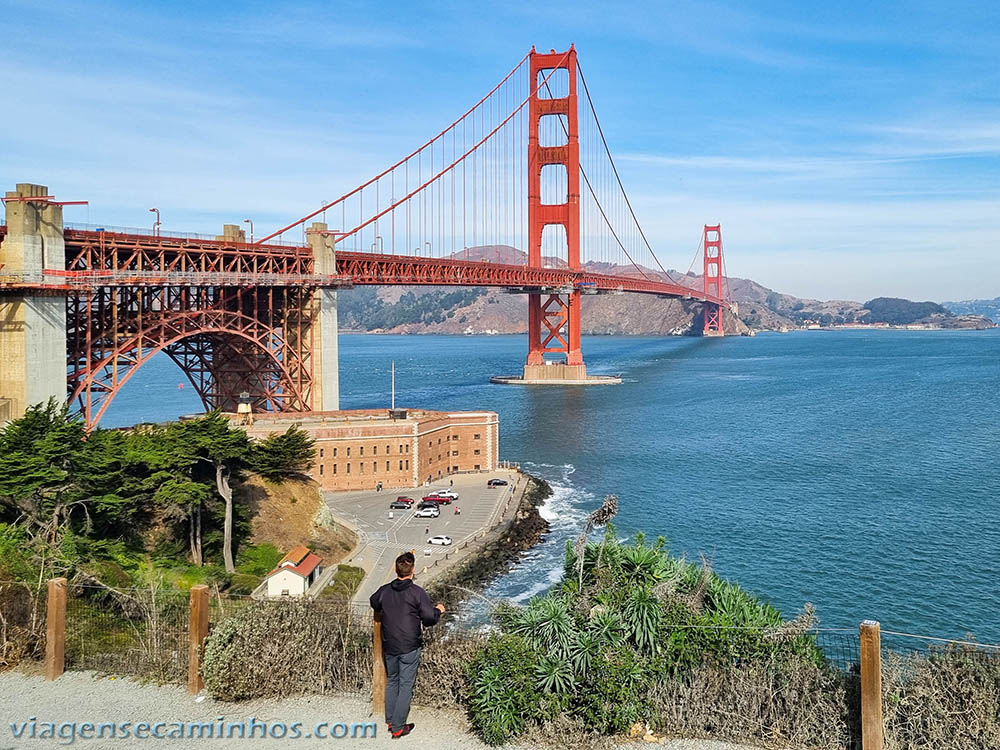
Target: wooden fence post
x: 871, y: 686
x: 197, y: 633
x: 55, y: 629
x: 378, y: 667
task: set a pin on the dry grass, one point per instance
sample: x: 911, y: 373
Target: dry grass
x: 783, y: 703
x: 294, y: 647
x: 285, y: 514
x: 22, y: 623
x: 942, y: 698
x: 441, y: 679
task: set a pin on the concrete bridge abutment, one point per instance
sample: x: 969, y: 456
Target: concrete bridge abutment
x: 326, y: 347
x: 32, y: 325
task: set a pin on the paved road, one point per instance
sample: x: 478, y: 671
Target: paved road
x: 383, y: 538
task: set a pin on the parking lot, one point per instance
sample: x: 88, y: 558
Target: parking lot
x: 385, y: 533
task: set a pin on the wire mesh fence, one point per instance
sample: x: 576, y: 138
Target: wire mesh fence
x: 841, y: 647
x: 939, y: 693
x: 22, y: 621
x: 129, y: 632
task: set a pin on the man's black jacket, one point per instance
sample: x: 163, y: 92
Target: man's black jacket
x: 404, y: 606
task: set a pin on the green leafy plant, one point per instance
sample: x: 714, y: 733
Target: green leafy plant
x: 503, y: 688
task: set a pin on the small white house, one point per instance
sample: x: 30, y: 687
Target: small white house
x: 295, y: 573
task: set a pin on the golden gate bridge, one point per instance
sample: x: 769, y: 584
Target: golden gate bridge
x: 520, y: 192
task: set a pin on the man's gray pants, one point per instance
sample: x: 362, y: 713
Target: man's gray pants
x: 400, y: 674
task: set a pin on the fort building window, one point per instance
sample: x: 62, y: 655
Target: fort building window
x: 361, y: 465
x: 476, y: 452
x: 476, y: 436
x: 348, y: 451
x: 348, y: 467
x: 477, y: 467
x: 321, y: 469
x: 335, y: 468
x: 362, y: 449
x: 334, y: 452
x: 387, y: 466
x: 321, y: 453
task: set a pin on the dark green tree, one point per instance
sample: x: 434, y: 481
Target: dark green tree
x: 283, y: 454
x: 211, y: 441
x: 38, y: 453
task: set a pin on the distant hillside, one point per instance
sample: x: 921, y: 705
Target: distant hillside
x: 988, y: 308
x: 477, y: 310
x: 897, y: 311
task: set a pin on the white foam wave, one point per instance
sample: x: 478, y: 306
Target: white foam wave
x: 565, y: 510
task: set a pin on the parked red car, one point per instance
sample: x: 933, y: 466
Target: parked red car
x: 404, y: 499
x: 441, y: 499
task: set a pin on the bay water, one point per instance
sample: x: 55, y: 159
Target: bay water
x: 856, y: 470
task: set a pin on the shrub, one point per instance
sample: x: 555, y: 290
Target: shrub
x: 793, y: 701
x: 344, y: 584
x: 503, y: 691
x: 613, y: 697
x: 288, y: 647
x: 258, y: 559
x: 944, y: 697
x: 243, y: 584
x: 628, y: 619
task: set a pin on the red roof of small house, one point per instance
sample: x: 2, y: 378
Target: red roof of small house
x: 299, y: 560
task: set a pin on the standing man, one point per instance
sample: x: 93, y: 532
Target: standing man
x: 405, y: 608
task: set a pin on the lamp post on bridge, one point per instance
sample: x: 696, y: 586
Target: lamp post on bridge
x: 156, y: 224
x: 250, y: 222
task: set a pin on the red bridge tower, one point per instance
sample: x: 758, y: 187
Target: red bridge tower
x: 714, y: 280
x: 554, y: 322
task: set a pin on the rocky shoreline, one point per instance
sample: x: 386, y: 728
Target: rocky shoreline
x: 501, y: 551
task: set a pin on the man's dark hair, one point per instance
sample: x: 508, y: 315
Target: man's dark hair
x: 404, y: 564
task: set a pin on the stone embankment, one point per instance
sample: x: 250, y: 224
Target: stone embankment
x: 519, y: 528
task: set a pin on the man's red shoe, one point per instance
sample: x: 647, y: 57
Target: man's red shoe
x: 407, y: 728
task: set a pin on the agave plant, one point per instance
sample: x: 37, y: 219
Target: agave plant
x: 584, y: 652
x: 643, y: 614
x: 555, y: 675
x: 607, y: 627
x: 546, y: 624
x: 643, y: 565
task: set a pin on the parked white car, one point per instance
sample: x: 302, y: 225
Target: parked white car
x: 442, y: 540
x: 427, y: 513
x: 446, y: 493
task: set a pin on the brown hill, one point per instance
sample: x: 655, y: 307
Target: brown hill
x: 293, y: 512
x: 481, y: 310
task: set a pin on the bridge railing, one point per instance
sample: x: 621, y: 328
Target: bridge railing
x: 148, y: 232
x: 99, y: 278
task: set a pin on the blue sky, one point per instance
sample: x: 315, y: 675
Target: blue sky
x: 849, y: 149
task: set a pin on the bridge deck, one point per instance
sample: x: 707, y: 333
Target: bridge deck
x: 102, y: 258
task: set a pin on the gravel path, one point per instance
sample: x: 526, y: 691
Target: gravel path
x: 84, y: 697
